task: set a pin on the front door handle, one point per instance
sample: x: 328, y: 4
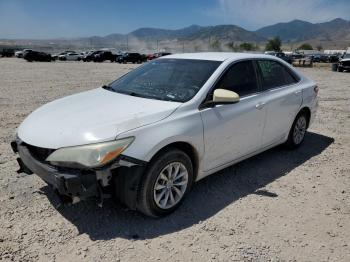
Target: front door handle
x: 260, y: 105
x: 297, y: 92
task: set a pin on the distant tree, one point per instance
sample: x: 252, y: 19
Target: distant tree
x: 305, y: 46
x: 247, y: 46
x: 196, y: 48
x: 215, y: 45
x: 274, y: 44
x: 232, y: 46
x: 319, y: 48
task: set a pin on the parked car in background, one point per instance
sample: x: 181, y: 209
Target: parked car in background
x: 156, y: 55
x: 344, y: 63
x: 315, y: 58
x: 90, y: 56
x: 149, y: 135
x: 7, y: 52
x: 20, y: 54
x: 319, y: 58
x: 55, y: 56
x: 105, y: 55
x: 132, y: 58
x: 70, y: 57
x: 281, y: 55
x: 297, y: 56
x: 31, y: 56
x: 333, y: 59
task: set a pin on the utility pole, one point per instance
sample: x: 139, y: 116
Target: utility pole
x: 183, y: 46
x: 127, y: 42
x: 157, y: 45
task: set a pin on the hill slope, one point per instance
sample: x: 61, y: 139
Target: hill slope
x: 297, y: 30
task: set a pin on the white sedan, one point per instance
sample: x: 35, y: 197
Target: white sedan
x: 70, y: 57
x: 149, y: 135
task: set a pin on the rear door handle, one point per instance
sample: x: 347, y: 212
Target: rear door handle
x: 260, y: 105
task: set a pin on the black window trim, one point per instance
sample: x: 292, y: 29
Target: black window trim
x: 258, y: 78
x: 296, y: 77
x: 228, y: 67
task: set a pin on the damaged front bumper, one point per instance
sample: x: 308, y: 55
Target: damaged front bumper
x: 121, y: 177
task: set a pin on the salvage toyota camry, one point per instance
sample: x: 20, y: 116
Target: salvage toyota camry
x: 149, y: 135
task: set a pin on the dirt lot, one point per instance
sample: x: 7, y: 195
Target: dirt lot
x: 278, y: 206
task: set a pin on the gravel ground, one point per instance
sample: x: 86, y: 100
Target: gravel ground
x: 278, y: 206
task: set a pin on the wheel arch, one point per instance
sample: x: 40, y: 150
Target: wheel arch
x: 307, y: 111
x: 187, y: 148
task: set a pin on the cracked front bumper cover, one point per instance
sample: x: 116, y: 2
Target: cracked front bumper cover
x: 73, y: 184
x: 82, y: 184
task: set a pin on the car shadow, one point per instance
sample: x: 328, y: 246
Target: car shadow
x: 208, y: 197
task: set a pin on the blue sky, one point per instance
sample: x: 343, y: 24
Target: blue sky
x: 75, y: 18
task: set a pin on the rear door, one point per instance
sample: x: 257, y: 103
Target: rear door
x: 234, y: 130
x: 282, y: 97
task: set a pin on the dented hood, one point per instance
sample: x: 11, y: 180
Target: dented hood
x: 90, y: 117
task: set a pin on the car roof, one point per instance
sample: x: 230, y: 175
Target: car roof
x: 215, y: 56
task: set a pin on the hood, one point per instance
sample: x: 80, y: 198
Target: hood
x: 345, y: 60
x: 90, y: 117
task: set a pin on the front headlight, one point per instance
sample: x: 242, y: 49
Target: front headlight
x: 93, y: 155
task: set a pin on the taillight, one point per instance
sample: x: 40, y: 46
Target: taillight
x: 316, y: 90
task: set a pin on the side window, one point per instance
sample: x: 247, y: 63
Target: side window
x: 240, y: 78
x: 274, y: 74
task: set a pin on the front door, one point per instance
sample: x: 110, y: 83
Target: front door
x: 234, y: 130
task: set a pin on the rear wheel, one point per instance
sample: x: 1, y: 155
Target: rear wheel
x: 297, y: 132
x: 166, y: 183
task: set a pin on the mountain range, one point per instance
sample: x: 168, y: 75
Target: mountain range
x: 294, y: 31
x: 332, y: 34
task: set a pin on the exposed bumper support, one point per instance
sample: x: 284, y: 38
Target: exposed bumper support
x: 77, y: 185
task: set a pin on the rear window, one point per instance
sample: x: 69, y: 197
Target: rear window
x: 274, y: 74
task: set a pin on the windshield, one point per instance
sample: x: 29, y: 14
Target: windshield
x: 166, y: 79
x: 346, y: 56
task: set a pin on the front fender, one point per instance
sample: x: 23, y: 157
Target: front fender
x: 187, y: 127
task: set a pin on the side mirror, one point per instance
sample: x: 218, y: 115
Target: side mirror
x: 223, y: 96
x: 220, y: 97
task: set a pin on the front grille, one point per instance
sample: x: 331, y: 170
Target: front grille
x: 39, y: 153
x: 345, y: 63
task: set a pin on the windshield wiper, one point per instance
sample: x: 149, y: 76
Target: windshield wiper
x: 131, y: 93
x: 107, y: 87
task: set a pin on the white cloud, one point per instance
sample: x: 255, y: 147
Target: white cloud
x: 253, y: 14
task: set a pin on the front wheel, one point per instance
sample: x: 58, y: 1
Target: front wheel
x: 297, y: 132
x: 165, y: 184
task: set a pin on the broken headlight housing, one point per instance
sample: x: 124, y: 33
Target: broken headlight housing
x: 91, y: 155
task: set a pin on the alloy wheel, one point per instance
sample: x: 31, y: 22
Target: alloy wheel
x: 299, y: 130
x: 170, y: 185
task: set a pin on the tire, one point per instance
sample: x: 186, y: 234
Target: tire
x: 169, y: 195
x: 298, y: 130
x: 340, y: 69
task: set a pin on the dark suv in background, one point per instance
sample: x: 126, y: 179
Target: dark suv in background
x: 132, y: 58
x: 344, y: 63
x: 103, y: 56
x: 31, y: 56
x: 90, y: 56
